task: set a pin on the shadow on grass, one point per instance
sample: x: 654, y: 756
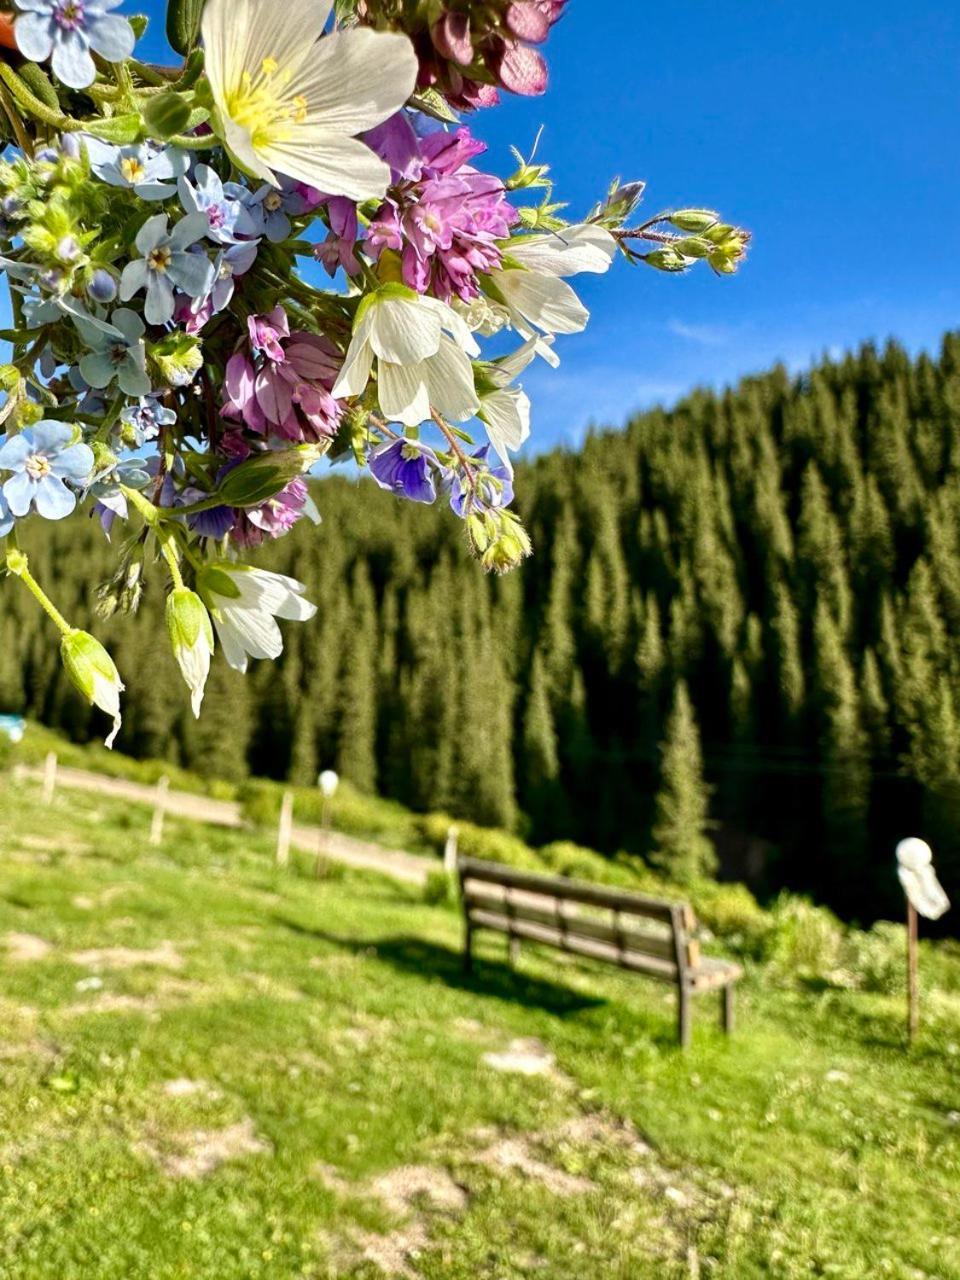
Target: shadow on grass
x: 490, y: 977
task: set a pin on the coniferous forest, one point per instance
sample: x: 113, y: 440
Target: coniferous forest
x: 774, y: 569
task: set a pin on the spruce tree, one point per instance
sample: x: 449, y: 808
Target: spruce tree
x: 681, y: 848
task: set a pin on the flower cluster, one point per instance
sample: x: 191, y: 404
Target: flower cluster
x: 181, y: 357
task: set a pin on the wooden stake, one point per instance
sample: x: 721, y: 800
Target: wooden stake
x: 286, y: 826
x: 49, y: 777
x: 913, y: 1003
x: 159, y: 812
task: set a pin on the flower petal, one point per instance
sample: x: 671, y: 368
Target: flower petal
x: 404, y: 332
x: 71, y: 61
x: 403, y: 393
x: 449, y: 376
x: 18, y: 491
x: 583, y: 248
x: 54, y: 500
x: 34, y: 35
x: 112, y: 37
x: 336, y: 165
x: 76, y: 463
x: 545, y: 301
x: 355, y: 373
x: 355, y: 80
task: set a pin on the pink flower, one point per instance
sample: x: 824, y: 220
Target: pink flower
x: 274, y: 518
x: 338, y: 248
x: 283, y: 389
x: 447, y: 224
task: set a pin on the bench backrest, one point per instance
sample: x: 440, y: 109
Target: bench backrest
x: 629, y: 929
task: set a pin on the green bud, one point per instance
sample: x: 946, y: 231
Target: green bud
x: 666, y: 260
x: 183, y: 24
x: 39, y: 84
x: 528, y: 175
x: 191, y: 637
x: 27, y: 413
x: 179, y: 358
x: 103, y: 457
x: 695, y: 247
x: 509, y: 548
x: 267, y: 474
x: 167, y: 115
x: 213, y: 582
x: 93, y: 674
x: 9, y: 378
x: 695, y: 220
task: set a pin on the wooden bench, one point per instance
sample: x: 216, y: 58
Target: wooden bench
x: 645, y: 935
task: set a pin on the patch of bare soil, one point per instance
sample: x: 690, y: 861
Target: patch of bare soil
x: 169, y: 993
x: 184, y: 1088
x: 516, y: 1155
x: 164, y: 956
x: 23, y: 948
x: 526, y: 1057
x: 416, y: 1194
x: 198, y: 1153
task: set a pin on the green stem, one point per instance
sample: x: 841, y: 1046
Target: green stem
x: 18, y: 565
x: 168, y: 540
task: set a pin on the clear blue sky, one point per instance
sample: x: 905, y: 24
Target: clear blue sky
x: 830, y: 128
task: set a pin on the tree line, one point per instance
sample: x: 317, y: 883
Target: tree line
x: 777, y: 565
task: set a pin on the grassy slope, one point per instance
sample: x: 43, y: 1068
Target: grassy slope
x: 334, y: 1017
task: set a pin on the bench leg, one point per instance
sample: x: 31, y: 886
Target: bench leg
x: 726, y: 1008
x: 683, y: 1015
x: 467, y: 947
x: 514, y: 951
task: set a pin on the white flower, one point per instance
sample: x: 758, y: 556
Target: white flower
x: 419, y: 367
x: 290, y: 103
x: 245, y: 603
x: 504, y: 408
x: 534, y: 292
x: 191, y: 636
x: 94, y: 674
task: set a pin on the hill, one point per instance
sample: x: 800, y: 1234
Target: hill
x: 214, y: 1069
x: 789, y: 549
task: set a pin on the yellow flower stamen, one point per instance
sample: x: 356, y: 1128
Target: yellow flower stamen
x: 261, y: 105
x: 132, y: 169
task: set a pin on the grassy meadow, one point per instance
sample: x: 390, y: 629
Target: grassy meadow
x: 215, y: 1071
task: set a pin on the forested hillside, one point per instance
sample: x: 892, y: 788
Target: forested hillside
x: 790, y: 549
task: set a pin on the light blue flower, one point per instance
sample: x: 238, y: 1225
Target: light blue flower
x: 145, y: 419
x: 167, y: 265
x: 6, y: 515
x: 42, y: 458
x: 230, y: 263
x: 149, y: 171
x: 272, y: 210
x: 221, y: 204
x: 116, y: 355
x: 66, y: 30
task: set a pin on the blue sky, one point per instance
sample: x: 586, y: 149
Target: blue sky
x: 829, y: 128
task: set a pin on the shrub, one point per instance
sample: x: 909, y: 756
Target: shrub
x: 565, y: 858
x: 438, y: 889
x: 804, y: 941
x: 731, y: 912
x: 876, y: 958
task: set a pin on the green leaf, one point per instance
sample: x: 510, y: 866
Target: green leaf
x: 120, y: 129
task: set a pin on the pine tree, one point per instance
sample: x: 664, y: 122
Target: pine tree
x: 681, y: 847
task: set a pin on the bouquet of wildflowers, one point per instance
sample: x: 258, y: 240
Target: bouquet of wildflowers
x: 283, y: 248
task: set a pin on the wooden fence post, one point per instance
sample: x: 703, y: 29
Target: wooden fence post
x: 49, y: 777
x: 285, y: 829
x: 159, y: 812
x: 450, y: 852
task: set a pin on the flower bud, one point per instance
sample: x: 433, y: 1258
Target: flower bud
x: 93, y: 674
x: 101, y: 286
x: 179, y: 359
x: 267, y: 474
x: 694, y: 220
x: 191, y: 636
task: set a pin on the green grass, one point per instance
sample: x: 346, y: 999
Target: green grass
x: 329, y: 1028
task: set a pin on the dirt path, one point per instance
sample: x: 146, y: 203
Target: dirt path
x: 408, y: 867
